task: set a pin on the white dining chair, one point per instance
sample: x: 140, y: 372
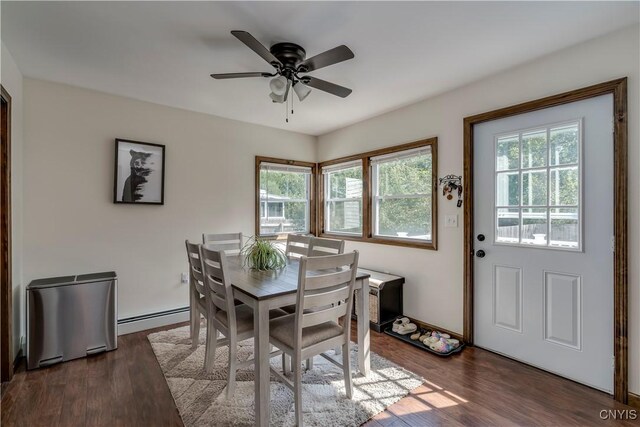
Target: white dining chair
x: 325, y: 293
x: 234, y: 322
x: 297, y: 245
x: 197, y: 295
x: 230, y: 243
x: 321, y: 246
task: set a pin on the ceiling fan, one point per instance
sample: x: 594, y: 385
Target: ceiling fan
x: 290, y: 64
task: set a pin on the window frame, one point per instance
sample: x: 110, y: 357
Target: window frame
x: 367, y: 199
x: 322, y: 177
x: 259, y: 160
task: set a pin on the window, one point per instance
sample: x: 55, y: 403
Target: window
x: 538, y: 183
x: 342, y: 185
x: 383, y: 196
x: 283, y: 202
x: 402, y: 195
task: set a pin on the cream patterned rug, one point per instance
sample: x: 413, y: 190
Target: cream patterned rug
x: 201, y: 400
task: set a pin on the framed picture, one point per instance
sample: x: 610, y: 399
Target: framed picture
x: 139, y: 173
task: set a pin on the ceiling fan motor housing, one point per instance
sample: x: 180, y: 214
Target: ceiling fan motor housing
x: 290, y: 54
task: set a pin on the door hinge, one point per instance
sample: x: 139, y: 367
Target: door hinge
x: 613, y: 363
x: 613, y: 243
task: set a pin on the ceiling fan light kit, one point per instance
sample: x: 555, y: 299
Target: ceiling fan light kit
x: 289, y: 62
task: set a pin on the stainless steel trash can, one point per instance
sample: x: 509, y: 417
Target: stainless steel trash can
x: 70, y: 317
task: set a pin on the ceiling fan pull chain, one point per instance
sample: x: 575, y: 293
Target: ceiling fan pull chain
x: 292, y: 104
x: 286, y: 109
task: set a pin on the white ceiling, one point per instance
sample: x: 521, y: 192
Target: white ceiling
x: 163, y: 52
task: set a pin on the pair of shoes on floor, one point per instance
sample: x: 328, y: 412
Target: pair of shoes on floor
x: 440, y: 342
x: 420, y: 335
x: 403, y: 326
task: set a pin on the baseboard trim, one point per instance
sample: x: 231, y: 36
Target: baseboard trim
x: 425, y: 325
x: 634, y: 400
x: 152, y: 320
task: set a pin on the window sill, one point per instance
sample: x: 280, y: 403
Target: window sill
x: 408, y: 243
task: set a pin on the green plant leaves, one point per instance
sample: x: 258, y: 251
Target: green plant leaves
x: 261, y: 254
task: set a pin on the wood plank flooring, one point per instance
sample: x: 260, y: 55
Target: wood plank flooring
x: 476, y: 388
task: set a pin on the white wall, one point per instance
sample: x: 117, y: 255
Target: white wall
x: 11, y: 80
x: 70, y: 222
x: 433, y: 292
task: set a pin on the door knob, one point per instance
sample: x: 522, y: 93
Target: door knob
x: 481, y: 237
x: 480, y: 253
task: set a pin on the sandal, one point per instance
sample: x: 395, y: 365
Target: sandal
x: 417, y: 335
x: 399, y: 322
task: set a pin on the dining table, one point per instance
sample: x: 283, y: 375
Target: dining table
x: 267, y: 290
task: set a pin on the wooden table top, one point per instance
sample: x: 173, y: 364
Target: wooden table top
x: 267, y: 284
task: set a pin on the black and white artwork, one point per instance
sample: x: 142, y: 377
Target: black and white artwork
x: 139, y: 174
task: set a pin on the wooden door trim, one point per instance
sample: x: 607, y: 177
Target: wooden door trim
x: 6, y: 303
x: 618, y: 88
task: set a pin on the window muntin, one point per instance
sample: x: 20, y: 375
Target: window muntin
x: 402, y: 185
x: 538, y: 187
x: 285, y: 192
x: 342, y: 186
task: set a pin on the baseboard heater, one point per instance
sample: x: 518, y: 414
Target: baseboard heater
x: 152, y: 320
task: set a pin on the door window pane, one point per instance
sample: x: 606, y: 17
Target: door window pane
x: 534, y: 226
x: 534, y: 188
x: 534, y: 149
x: 507, y: 153
x: 508, y: 189
x: 538, y: 187
x: 508, y: 225
x: 564, y: 145
x: 564, y: 230
x: 564, y: 186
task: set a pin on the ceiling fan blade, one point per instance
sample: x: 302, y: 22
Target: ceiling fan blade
x: 239, y: 75
x: 324, y: 59
x: 256, y: 46
x: 329, y: 87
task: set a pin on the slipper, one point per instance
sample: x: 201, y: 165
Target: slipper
x: 399, y: 322
x: 407, y: 329
x: 416, y: 336
x: 454, y: 343
x: 424, y: 335
x: 441, y: 346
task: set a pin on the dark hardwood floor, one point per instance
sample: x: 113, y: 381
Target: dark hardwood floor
x: 476, y: 388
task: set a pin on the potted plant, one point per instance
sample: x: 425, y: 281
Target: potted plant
x: 261, y: 254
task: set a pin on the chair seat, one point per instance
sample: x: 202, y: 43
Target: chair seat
x: 283, y: 329
x: 244, y: 317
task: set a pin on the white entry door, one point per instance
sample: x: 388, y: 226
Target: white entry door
x: 543, y: 223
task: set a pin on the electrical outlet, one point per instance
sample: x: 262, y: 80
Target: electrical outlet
x: 184, y: 278
x: 451, y: 221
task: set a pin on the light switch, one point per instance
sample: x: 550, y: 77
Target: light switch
x: 184, y: 278
x: 451, y: 221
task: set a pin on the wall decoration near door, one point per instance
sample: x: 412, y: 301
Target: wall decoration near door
x: 139, y: 173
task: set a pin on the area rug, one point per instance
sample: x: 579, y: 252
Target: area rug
x: 201, y: 398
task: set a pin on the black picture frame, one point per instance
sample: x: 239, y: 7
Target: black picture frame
x: 126, y: 190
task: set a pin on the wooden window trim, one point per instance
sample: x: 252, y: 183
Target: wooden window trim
x: 367, y: 200
x: 312, y: 186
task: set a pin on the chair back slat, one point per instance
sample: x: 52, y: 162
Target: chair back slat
x: 325, y: 279
x: 195, y: 267
x: 325, y: 297
x: 297, y: 244
x: 320, y: 247
x: 214, y: 269
x: 230, y: 243
x: 325, y: 289
x: 326, y: 314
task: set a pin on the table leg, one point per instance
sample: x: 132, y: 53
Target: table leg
x: 362, y: 304
x: 261, y: 355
